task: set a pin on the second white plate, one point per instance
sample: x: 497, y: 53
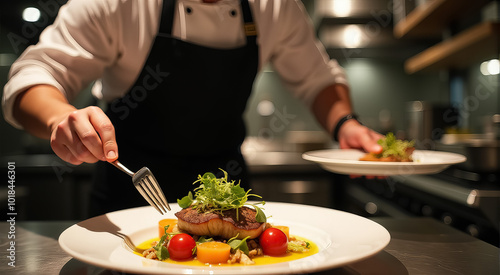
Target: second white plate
x: 346, y: 161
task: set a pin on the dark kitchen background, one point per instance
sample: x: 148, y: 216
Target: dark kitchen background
x: 425, y: 70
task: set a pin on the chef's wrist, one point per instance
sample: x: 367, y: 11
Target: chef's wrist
x: 341, y: 122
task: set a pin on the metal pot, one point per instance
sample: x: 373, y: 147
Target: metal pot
x: 482, y: 151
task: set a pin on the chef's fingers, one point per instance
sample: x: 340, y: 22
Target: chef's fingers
x: 106, y: 131
x: 356, y: 136
x: 86, y: 144
x: 62, y: 151
x: 78, y: 153
x: 376, y: 137
x: 65, y: 154
x: 368, y: 141
x: 62, y: 140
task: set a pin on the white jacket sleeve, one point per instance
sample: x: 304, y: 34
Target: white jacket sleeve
x: 297, y: 55
x: 71, y: 53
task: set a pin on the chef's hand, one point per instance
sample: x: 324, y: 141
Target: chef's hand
x: 76, y: 136
x: 353, y: 135
x: 85, y: 135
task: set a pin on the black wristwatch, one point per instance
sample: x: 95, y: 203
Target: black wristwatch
x: 341, y: 122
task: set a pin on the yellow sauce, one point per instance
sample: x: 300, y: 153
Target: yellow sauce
x: 260, y: 260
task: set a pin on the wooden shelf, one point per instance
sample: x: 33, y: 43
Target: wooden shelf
x: 477, y: 43
x: 430, y: 19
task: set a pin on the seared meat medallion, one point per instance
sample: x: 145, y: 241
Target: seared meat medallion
x: 225, y: 225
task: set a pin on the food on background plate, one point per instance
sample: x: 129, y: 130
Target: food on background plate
x: 393, y: 150
x: 217, y: 226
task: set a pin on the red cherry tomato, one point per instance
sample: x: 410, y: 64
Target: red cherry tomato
x: 181, y: 246
x: 273, y: 242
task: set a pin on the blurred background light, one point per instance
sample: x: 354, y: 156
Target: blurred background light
x: 353, y: 37
x: 342, y: 8
x: 491, y: 67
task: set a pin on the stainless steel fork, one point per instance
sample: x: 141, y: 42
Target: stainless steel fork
x: 146, y: 184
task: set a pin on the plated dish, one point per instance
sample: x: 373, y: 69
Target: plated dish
x: 346, y: 161
x: 341, y: 237
x: 218, y: 226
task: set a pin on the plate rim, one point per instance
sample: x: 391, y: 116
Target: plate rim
x: 308, y: 156
x: 354, y: 166
x: 242, y: 269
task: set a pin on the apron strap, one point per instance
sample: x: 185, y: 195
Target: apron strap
x: 167, y: 17
x: 249, y: 25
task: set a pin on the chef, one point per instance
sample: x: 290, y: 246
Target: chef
x: 176, y: 76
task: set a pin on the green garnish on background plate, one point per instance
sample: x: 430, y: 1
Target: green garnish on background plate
x: 394, y: 147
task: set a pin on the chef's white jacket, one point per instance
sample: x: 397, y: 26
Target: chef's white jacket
x: 106, y: 42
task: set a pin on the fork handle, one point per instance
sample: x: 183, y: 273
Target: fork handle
x: 122, y: 167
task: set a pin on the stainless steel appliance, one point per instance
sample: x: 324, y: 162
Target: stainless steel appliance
x: 465, y: 196
x: 482, y: 151
x: 466, y: 200
x: 428, y: 121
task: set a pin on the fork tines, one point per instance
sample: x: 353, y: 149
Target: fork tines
x: 146, y: 184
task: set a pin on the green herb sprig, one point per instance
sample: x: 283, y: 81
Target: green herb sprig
x: 236, y: 244
x: 394, y: 147
x: 161, y: 247
x: 218, y: 195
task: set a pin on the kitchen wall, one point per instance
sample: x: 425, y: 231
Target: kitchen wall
x: 480, y: 100
x: 380, y: 88
x: 12, y: 141
x: 380, y: 91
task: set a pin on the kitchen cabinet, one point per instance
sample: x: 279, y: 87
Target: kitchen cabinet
x: 477, y: 43
x: 480, y: 42
x: 431, y: 18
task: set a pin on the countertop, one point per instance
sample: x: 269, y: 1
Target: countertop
x: 417, y: 246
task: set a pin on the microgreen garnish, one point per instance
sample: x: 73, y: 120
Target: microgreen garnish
x: 394, y: 147
x: 218, y: 195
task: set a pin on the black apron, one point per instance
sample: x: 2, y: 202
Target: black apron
x: 182, y: 117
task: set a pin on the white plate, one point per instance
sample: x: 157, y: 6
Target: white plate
x: 342, y: 238
x: 346, y: 161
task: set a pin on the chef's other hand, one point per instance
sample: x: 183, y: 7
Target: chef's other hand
x: 353, y: 135
x: 85, y: 135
